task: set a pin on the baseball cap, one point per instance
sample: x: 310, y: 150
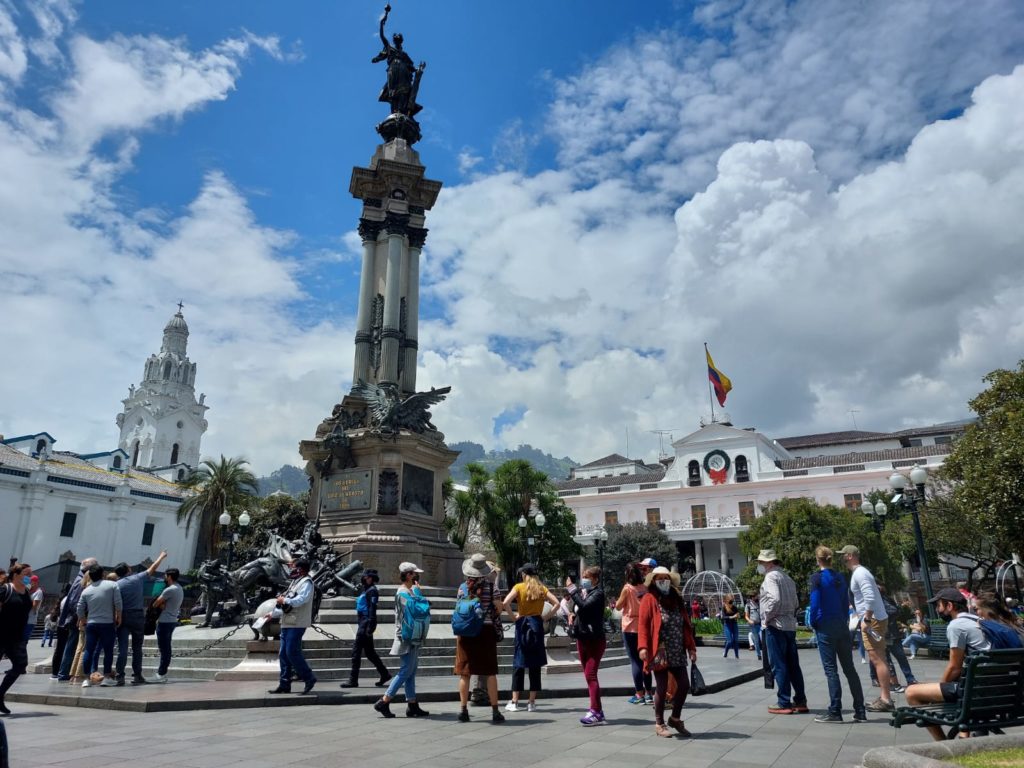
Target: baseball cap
x: 950, y: 595
x: 409, y: 568
x: 650, y: 562
x: 850, y: 549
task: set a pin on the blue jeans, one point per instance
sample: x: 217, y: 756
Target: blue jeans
x: 755, y: 632
x: 834, y: 644
x: 642, y: 682
x: 98, y: 636
x: 786, y: 667
x: 406, y: 675
x: 915, y: 640
x: 164, y: 630
x: 290, y: 657
x: 70, y: 648
x: 732, y: 636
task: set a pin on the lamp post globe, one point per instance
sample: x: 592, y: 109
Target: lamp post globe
x: 522, y: 522
x: 881, y: 509
x: 897, y: 481
x: 918, y: 476
x: 867, y: 508
x: 244, y: 519
x: 540, y: 519
x: 224, y: 519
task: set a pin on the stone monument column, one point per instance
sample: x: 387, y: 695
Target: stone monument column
x: 368, y: 231
x: 377, y: 464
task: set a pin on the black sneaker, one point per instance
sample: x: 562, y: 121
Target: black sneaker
x: 412, y: 709
x: 497, y: 717
x: 897, y: 688
x: 384, y: 708
x: 119, y: 681
x: 860, y: 717
x: 279, y: 689
x: 463, y: 716
x: 138, y: 680
x: 350, y: 684
x: 828, y: 717
x: 382, y: 683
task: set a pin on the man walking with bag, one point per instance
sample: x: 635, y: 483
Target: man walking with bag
x: 295, y: 609
x: 779, y: 604
x: 867, y: 599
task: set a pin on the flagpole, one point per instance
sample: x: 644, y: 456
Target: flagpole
x: 711, y: 398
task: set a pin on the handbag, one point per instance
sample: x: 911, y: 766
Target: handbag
x: 659, y: 662
x: 697, y: 685
x: 149, y: 624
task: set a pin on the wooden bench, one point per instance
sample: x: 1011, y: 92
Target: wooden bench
x: 993, y: 697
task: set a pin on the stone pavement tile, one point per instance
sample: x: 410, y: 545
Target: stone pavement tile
x: 807, y: 756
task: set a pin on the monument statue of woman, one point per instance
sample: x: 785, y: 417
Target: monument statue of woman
x: 403, y: 77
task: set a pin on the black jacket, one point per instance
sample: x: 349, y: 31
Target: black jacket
x: 589, y: 613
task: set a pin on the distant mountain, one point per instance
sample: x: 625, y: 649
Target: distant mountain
x: 292, y: 480
x: 288, y: 478
x: 556, y: 469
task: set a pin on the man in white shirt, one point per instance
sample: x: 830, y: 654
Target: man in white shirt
x: 964, y: 634
x: 779, y: 604
x: 874, y: 622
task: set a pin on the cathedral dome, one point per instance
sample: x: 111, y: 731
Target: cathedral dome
x: 176, y: 323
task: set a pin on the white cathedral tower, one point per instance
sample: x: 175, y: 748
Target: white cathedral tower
x: 162, y: 422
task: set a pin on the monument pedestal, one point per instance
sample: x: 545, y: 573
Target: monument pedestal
x: 380, y: 500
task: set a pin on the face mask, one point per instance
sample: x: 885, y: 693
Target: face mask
x: 663, y: 586
x: 586, y: 583
x: 27, y: 580
x: 945, y: 617
x: 761, y: 570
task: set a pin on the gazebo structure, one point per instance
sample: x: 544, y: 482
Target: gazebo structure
x: 710, y: 589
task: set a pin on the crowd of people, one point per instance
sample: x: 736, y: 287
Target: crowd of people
x: 98, y: 612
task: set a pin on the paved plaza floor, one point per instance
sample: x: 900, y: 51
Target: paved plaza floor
x: 731, y: 728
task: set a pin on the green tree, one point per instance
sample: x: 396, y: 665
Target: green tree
x: 277, y: 512
x: 221, y: 485
x: 795, y: 527
x: 630, y: 544
x: 986, y: 466
x: 495, y: 504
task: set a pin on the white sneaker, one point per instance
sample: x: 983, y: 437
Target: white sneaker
x: 158, y: 679
x: 86, y: 683
x: 531, y: 707
x: 863, y: 661
x: 108, y: 682
x: 512, y: 707
x: 913, y: 655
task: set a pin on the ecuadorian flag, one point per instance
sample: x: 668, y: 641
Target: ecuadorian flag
x: 718, y: 379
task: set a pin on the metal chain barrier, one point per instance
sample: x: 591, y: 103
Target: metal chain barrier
x: 325, y: 633
x: 205, y: 648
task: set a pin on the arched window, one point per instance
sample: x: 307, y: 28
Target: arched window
x: 174, y: 454
x: 181, y: 474
x: 742, y: 471
x: 117, y: 462
x: 40, y: 446
x: 135, y: 454
x: 167, y: 369
x: 693, y: 473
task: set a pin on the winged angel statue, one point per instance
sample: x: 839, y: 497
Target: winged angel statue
x: 389, y: 413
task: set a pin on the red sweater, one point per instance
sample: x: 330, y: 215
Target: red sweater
x: 650, y: 628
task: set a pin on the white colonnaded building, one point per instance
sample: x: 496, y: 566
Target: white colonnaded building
x: 58, y: 507
x: 720, y: 476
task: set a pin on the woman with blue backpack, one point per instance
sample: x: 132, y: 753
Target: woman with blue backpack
x: 529, y: 595
x: 412, y: 620
x: 476, y: 623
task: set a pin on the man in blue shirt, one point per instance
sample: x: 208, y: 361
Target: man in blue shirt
x: 366, y: 615
x: 133, y: 617
x: 828, y: 616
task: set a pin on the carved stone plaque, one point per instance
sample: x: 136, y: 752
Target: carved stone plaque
x: 417, y: 490
x: 347, y: 491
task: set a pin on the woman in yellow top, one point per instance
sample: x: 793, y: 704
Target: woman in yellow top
x: 529, y: 595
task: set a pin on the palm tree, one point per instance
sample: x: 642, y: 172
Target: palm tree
x: 219, y: 486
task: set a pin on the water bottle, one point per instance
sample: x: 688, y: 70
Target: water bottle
x: 873, y: 634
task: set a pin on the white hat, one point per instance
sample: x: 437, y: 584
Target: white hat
x: 767, y: 556
x: 409, y: 568
x: 475, y: 566
x: 662, y: 571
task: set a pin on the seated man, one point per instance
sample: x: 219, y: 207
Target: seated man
x: 964, y: 635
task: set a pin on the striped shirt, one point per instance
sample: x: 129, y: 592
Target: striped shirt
x: 490, y: 598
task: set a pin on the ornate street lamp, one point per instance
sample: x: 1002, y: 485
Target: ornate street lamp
x: 877, y: 513
x: 909, y: 499
x: 225, y: 523
x: 600, y: 542
x: 538, y: 519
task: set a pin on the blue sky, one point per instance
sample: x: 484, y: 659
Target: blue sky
x: 825, y: 192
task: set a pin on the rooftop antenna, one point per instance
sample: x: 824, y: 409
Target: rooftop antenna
x: 661, y: 439
x: 853, y: 415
